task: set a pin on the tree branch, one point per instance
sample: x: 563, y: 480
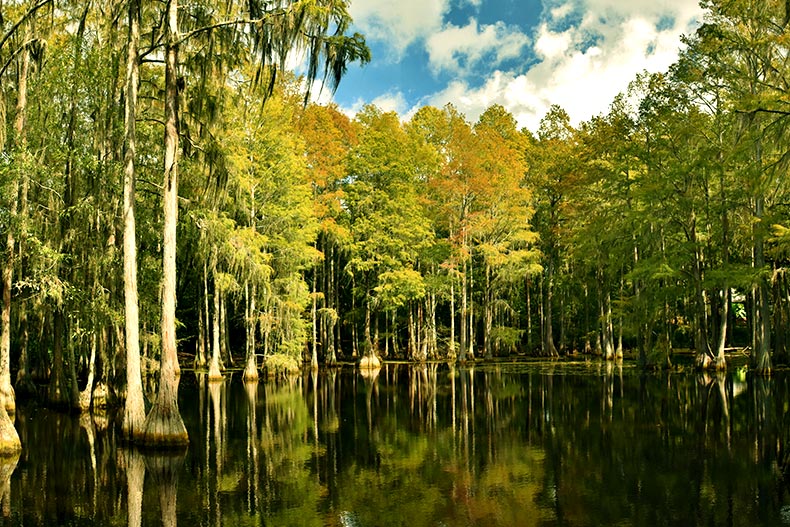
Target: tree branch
x: 763, y: 110
x: 14, y: 54
x: 227, y: 23
x: 27, y: 15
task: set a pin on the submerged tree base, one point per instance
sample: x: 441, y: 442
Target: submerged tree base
x: 369, y: 362
x: 9, y: 437
x: 250, y: 372
x: 24, y: 387
x: 164, y: 428
x: 214, y: 372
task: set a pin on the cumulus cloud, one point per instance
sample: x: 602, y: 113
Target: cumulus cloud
x: 398, y: 24
x: 392, y: 102
x: 460, y: 49
x: 388, y: 102
x: 561, y: 11
x: 550, y: 45
x: 583, y: 65
x: 579, y: 55
x: 678, y: 9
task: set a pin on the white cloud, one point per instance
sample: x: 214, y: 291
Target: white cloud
x: 398, y: 23
x: 388, y: 102
x: 560, y: 12
x: 550, y: 45
x: 584, y: 66
x: 392, y: 102
x: 678, y: 9
x: 516, y: 93
x: 460, y: 49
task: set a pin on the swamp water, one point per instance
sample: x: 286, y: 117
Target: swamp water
x: 507, y: 444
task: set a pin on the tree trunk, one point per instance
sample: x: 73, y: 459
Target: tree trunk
x: 20, y: 143
x: 719, y: 361
x: 529, y: 315
x: 471, y: 351
x: 761, y: 358
x: 701, y: 342
x: 134, y: 406
x: 369, y: 360
x: 563, y: 344
x: 62, y: 393
x: 368, y: 344
x: 314, y: 319
x: 200, y: 347
x: 251, y: 367
x: 433, y: 347
x: 24, y: 385
x: 206, y: 317
x: 9, y: 438
x: 414, y: 330
x: 226, y: 357
x: 394, y: 330
x: 375, y: 332
x: 214, y: 372
x: 336, y: 336
x: 451, y: 350
x: 464, y: 345
x: 354, y: 338
x: 86, y: 395
x: 489, y: 315
x: 604, y: 312
x: 618, y: 352
x: 164, y: 425
x: 548, y: 337
x: 329, y: 319
x: 6, y: 390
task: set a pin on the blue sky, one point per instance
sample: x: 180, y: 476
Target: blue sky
x: 523, y: 54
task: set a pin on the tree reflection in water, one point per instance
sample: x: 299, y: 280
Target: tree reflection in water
x: 537, y: 444
x: 7, y: 466
x: 131, y: 461
x: 165, y: 467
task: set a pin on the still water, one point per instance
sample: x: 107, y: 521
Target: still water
x: 524, y: 444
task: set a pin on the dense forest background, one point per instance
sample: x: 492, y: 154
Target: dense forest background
x: 305, y: 234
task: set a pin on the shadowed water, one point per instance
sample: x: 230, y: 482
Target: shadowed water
x: 523, y: 444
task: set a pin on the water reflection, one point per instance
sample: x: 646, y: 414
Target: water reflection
x: 131, y: 461
x: 7, y: 466
x: 544, y: 444
x: 165, y: 468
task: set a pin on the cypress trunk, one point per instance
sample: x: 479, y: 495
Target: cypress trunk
x: 134, y: 405
x: 548, y: 337
x: 214, y: 372
x: 251, y: 367
x: 164, y: 425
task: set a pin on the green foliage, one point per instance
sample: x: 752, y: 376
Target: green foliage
x: 280, y: 365
x: 642, y: 218
x: 396, y: 288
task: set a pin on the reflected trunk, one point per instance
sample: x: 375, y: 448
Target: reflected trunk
x: 133, y: 461
x: 7, y: 467
x: 164, y: 469
x: 253, y: 469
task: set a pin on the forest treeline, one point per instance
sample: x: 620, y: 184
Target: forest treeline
x: 299, y: 233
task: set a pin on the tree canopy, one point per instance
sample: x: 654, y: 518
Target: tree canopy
x: 660, y: 224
